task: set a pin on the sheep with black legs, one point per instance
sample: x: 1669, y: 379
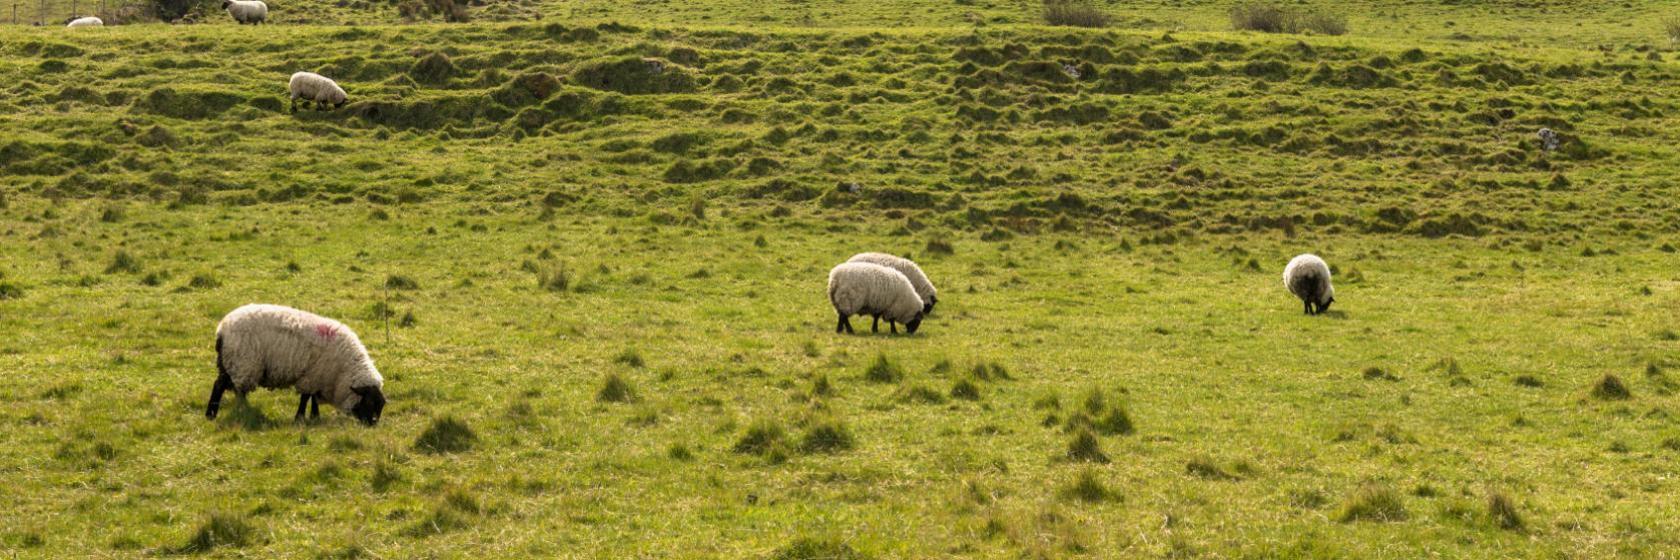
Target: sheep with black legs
x: 924, y: 287
x: 857, y: 288
x: 1308, y: 278
x: 310, y: 86
x: 246, y: 11
x: 276, y: 347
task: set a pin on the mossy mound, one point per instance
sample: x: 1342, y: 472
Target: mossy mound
x: 635, y: 76
x: 194, y: 104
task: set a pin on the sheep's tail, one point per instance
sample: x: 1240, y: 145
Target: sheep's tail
x: 223, y: 383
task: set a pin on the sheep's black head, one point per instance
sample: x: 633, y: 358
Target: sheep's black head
x: 341, y: 103
x: 226, y: 3
x: 932, y: 299
x: 372, y: 403
x: 1322, y: 307
x: 911, y: 325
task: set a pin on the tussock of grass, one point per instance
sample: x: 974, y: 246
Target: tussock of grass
x: 1206, y: 468
x: 122, y: 261
x: 385, y: 476
x: 1503, y: 512
x: 615, y: 389
x: 1611, y: 388
x: 1086, y: 448
x: 555, y: 278
x: 821, y: 387
x: 807, y: 548
x: 827, y: 437
x: 1075, y: 13
x: 919, y: 394
x: 400, y: 282
x: 761, y: 438
x: 222, y: 529
x: 966, y: 390
x: 679, y: 452
x: 1088, y: 488
x: 1373, y: 503
x: 446, y: 435
x: 1275, y: 18
x: 883, y: 370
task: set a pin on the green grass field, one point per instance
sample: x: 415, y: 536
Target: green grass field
x: 589, y: 252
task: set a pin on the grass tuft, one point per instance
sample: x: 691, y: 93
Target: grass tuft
x: 222, y: 529
x: 1074, y: 13
x: 446, y: 435
x: 807, y: 548
x: 1086, y: 448
x: 966, y: 390
x: 1373, y: 503
x: 762, y: 438
x: 1275, y: 18
x: 1611, y: 388
x: 615, y: 389
x: 1503, y: 512
x: 1089, y: 488
x: 827, y: 437
x: 630, y: 357
x: 883, y: 371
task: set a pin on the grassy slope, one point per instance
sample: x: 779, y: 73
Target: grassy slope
x: 1116, y: 256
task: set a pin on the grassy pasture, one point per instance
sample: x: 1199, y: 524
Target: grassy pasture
x: 589, y: 259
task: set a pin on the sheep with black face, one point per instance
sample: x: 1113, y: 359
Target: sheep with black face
x: 912, y: 271
x: 1308, y: 278
x: 858, y: 288
x: 276, y: 347
x: 310, y: 86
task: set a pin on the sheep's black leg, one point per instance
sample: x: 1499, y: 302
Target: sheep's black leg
x: 294, y: 104
x: 315, y: 406
x: 875, y: 323
x: 223, y: 383
x: 303, y: 401
x: 1306, y: 307
x: 893, y: 325
x: 841, y: 325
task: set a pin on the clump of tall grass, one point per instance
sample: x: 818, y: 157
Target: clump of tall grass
x: 1275, y: 18
x: 1074, y: 13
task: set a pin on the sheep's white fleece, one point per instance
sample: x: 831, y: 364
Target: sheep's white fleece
x: 310, y: 86
x: 248, y: 11
x: 276, y: 347
x: 89, y: 21
x: 1305, y: 272
x: 857, y: 288
x: 918, y: 280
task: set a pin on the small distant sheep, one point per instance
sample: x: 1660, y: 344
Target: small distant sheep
x: 275, y: 347
x: 924, y: 287
x: 860, y: 288
x: 310, y: 86
x: 246, y: 11
x: 1309, y: 279
x: 1549, y: 139
x: 88, y: 21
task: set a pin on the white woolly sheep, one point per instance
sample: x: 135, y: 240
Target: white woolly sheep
x: 275, y: 347
x: 858, y: 288
x: 88, y: 21
x: 1309, y: 279
x: 246, y: 11
x: 310, y: 86
x: 924, y: 287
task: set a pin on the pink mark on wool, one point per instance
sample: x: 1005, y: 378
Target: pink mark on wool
x: 326, y: 331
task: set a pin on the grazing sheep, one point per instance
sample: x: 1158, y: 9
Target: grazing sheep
x: 310, y: 86
x: 858, y: 288
x: 924, y: 288
x: 88, y: 21
x: 1309, y: 279
x: 246, y: 11
x: 275, y: 347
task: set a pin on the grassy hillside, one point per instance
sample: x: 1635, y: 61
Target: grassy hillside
x: 589, y: 258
